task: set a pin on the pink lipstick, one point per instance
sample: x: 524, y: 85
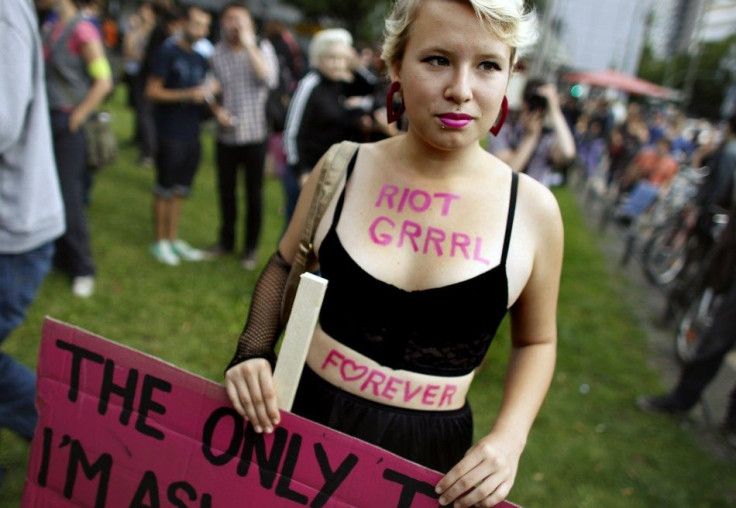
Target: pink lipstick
x: 454, y: 120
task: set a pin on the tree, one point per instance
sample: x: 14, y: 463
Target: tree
x: 711, y: 78
x: 362, y: 18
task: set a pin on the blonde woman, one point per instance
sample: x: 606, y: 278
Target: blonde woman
x: 427, y: 245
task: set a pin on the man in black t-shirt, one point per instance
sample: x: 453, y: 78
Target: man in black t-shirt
x: 168, y: 22
x: 177, y: 85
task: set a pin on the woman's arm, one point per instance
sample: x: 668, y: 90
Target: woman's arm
x: 93, y: 55
x: 564, y: 150
x: 265, y: 62
x: 518, y: 158
x: 490, y: 466
x: 297, y: 118
x: 534, y: 323
x: 249, y: 377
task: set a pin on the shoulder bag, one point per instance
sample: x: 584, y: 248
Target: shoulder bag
x: 335, y: 164
x: 102, y: 145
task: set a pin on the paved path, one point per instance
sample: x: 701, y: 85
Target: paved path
x: 648, y: 302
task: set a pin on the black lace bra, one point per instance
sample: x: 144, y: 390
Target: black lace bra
x: 439, y: 331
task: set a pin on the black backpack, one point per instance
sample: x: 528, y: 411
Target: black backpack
x: 277, y: 103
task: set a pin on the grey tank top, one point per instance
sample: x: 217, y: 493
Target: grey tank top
x: 67, y: 81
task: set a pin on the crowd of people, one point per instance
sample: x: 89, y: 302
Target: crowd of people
x: 718, y: 269
x: 63, y: 67
x: 625, y: 146
x: 267, y: 96
x: 636, y: 158
x: 441, y: 128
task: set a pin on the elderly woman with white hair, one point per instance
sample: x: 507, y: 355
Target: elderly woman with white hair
x: 332, y: 103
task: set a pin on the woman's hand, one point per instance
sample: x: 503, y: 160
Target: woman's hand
x: 549, y: 92
x: 76, y: 119
x: 483, y: 477
x: 250, y: 388
x: 533, y: 122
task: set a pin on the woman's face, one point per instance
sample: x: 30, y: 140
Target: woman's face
x: 453, y: 75
x: 334, y: 62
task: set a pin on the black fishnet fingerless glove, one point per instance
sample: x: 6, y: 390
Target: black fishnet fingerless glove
x: 263, y: 326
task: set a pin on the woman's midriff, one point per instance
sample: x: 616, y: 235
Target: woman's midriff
x: 359, y: 375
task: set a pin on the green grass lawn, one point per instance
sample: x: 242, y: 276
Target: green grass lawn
x: 590, y: 446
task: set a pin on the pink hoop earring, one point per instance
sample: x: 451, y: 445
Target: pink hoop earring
x: 501, y: 117
x: 393, y: 114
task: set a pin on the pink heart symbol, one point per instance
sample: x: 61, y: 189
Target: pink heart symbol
x: 351, y: 371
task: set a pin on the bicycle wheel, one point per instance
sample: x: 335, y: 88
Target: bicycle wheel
x: 606, y: 216
x: 629, y: 246
x: 608, y: 207
x: 693, y: 326
x: 664, y: 255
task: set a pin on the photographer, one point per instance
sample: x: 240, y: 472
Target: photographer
x: 539, y: 138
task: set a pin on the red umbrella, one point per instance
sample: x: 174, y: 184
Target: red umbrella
x: 620, y: 81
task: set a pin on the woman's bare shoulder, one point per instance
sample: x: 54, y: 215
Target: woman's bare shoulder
x: 540, y: 205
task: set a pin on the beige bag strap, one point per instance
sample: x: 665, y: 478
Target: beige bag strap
x: 335, y: 164
x: 334, y: 167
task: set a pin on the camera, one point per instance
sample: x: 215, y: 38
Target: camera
x: 537, y: 103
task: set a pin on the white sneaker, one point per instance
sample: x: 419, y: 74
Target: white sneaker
x: 164, y: 253
x: 249, y: 261
x: 187, y: 252
x: 83, y: 286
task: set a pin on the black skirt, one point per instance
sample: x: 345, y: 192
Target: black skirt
x: 435, y: 439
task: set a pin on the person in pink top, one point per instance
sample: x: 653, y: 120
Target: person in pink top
x: 78, y: 78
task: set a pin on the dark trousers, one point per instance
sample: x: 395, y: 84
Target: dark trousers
x: 291, y: 191
x: 73, y: 252
x: 697, y: 374
x: 145, y: 125
x: 229, y: 158
x: 20, y: 277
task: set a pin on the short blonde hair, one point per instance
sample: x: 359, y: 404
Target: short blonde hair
x: 507, y: 20
x: 322, y: 41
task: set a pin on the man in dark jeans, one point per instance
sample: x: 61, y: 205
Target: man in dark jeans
x: 246, y: 69
x: 31, y: 206
x: 718, y: 341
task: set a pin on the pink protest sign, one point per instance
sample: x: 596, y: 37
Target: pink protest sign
x: 118, y: 428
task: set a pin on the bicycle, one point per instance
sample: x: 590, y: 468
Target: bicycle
x: 694, y: 324
x: 688, y: 287
x: 673, y: 238
x: 641, y: 228
x: 697, y: 316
